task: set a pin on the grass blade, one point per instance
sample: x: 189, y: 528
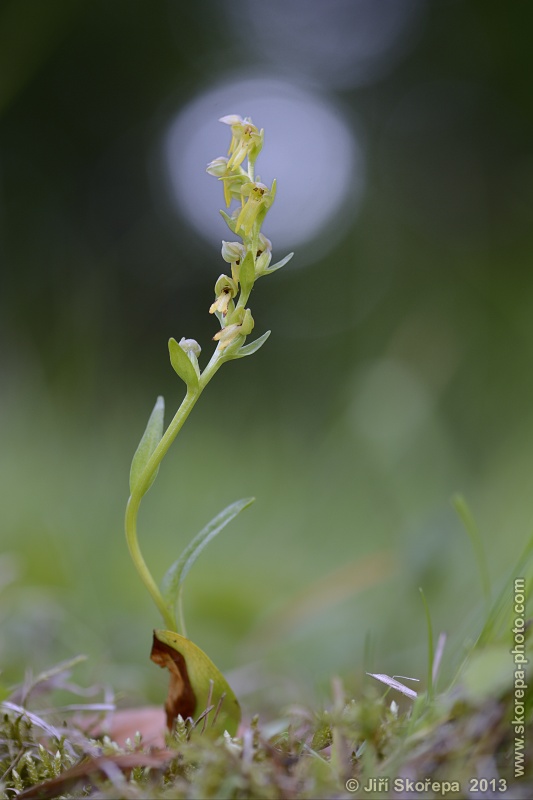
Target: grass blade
x: 502, y: 601
x: 466, y: 517
x: 430, y: 644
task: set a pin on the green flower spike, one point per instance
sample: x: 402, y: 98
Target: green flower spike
x: 198, y: 691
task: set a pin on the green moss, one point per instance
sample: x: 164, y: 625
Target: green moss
x: 452, y: 738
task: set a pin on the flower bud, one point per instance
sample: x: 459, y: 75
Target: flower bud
x: 193, y: 350
x: 218, y: 167
x: 190, y: 346
x: 233, y: 251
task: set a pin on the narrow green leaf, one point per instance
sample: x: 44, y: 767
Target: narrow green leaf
x: 279, y: 264
x: 150, y: 439
x: 177, y: 573
x: 469, y: 524
x: 501, y: 615
x: 502, y: 604
x: 197, y: 687
x: 182, y: 364
x: 431, y: 652
x: 253, y: 347
x: 247, y: 273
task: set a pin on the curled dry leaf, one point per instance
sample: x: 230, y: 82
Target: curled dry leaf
x: 181, y: 699
x: 197, y: 689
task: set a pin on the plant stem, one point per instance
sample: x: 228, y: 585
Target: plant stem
x: 132, y: 510
x: 134, y: 502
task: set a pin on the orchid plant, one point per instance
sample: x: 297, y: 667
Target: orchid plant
x: 197, y: 688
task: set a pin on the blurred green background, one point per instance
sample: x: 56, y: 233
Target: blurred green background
x: 399, y: 367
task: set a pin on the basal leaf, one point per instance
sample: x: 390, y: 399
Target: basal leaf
x: 182, y: 364
x: 177, y: 573
x: 150, y: 439
x: 197, y: 688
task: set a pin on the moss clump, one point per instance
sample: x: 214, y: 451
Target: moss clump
x: 452, y: 738
x: 27, y: 758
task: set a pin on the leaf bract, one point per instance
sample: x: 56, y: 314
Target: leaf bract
x: 149, y: 441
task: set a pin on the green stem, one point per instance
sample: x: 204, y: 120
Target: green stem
x: 243, y: 299
x: 132, y: 510
x: 166, y: 440
x: 134, y: 501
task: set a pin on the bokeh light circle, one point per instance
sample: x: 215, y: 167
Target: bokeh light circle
x: 309, y: 148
